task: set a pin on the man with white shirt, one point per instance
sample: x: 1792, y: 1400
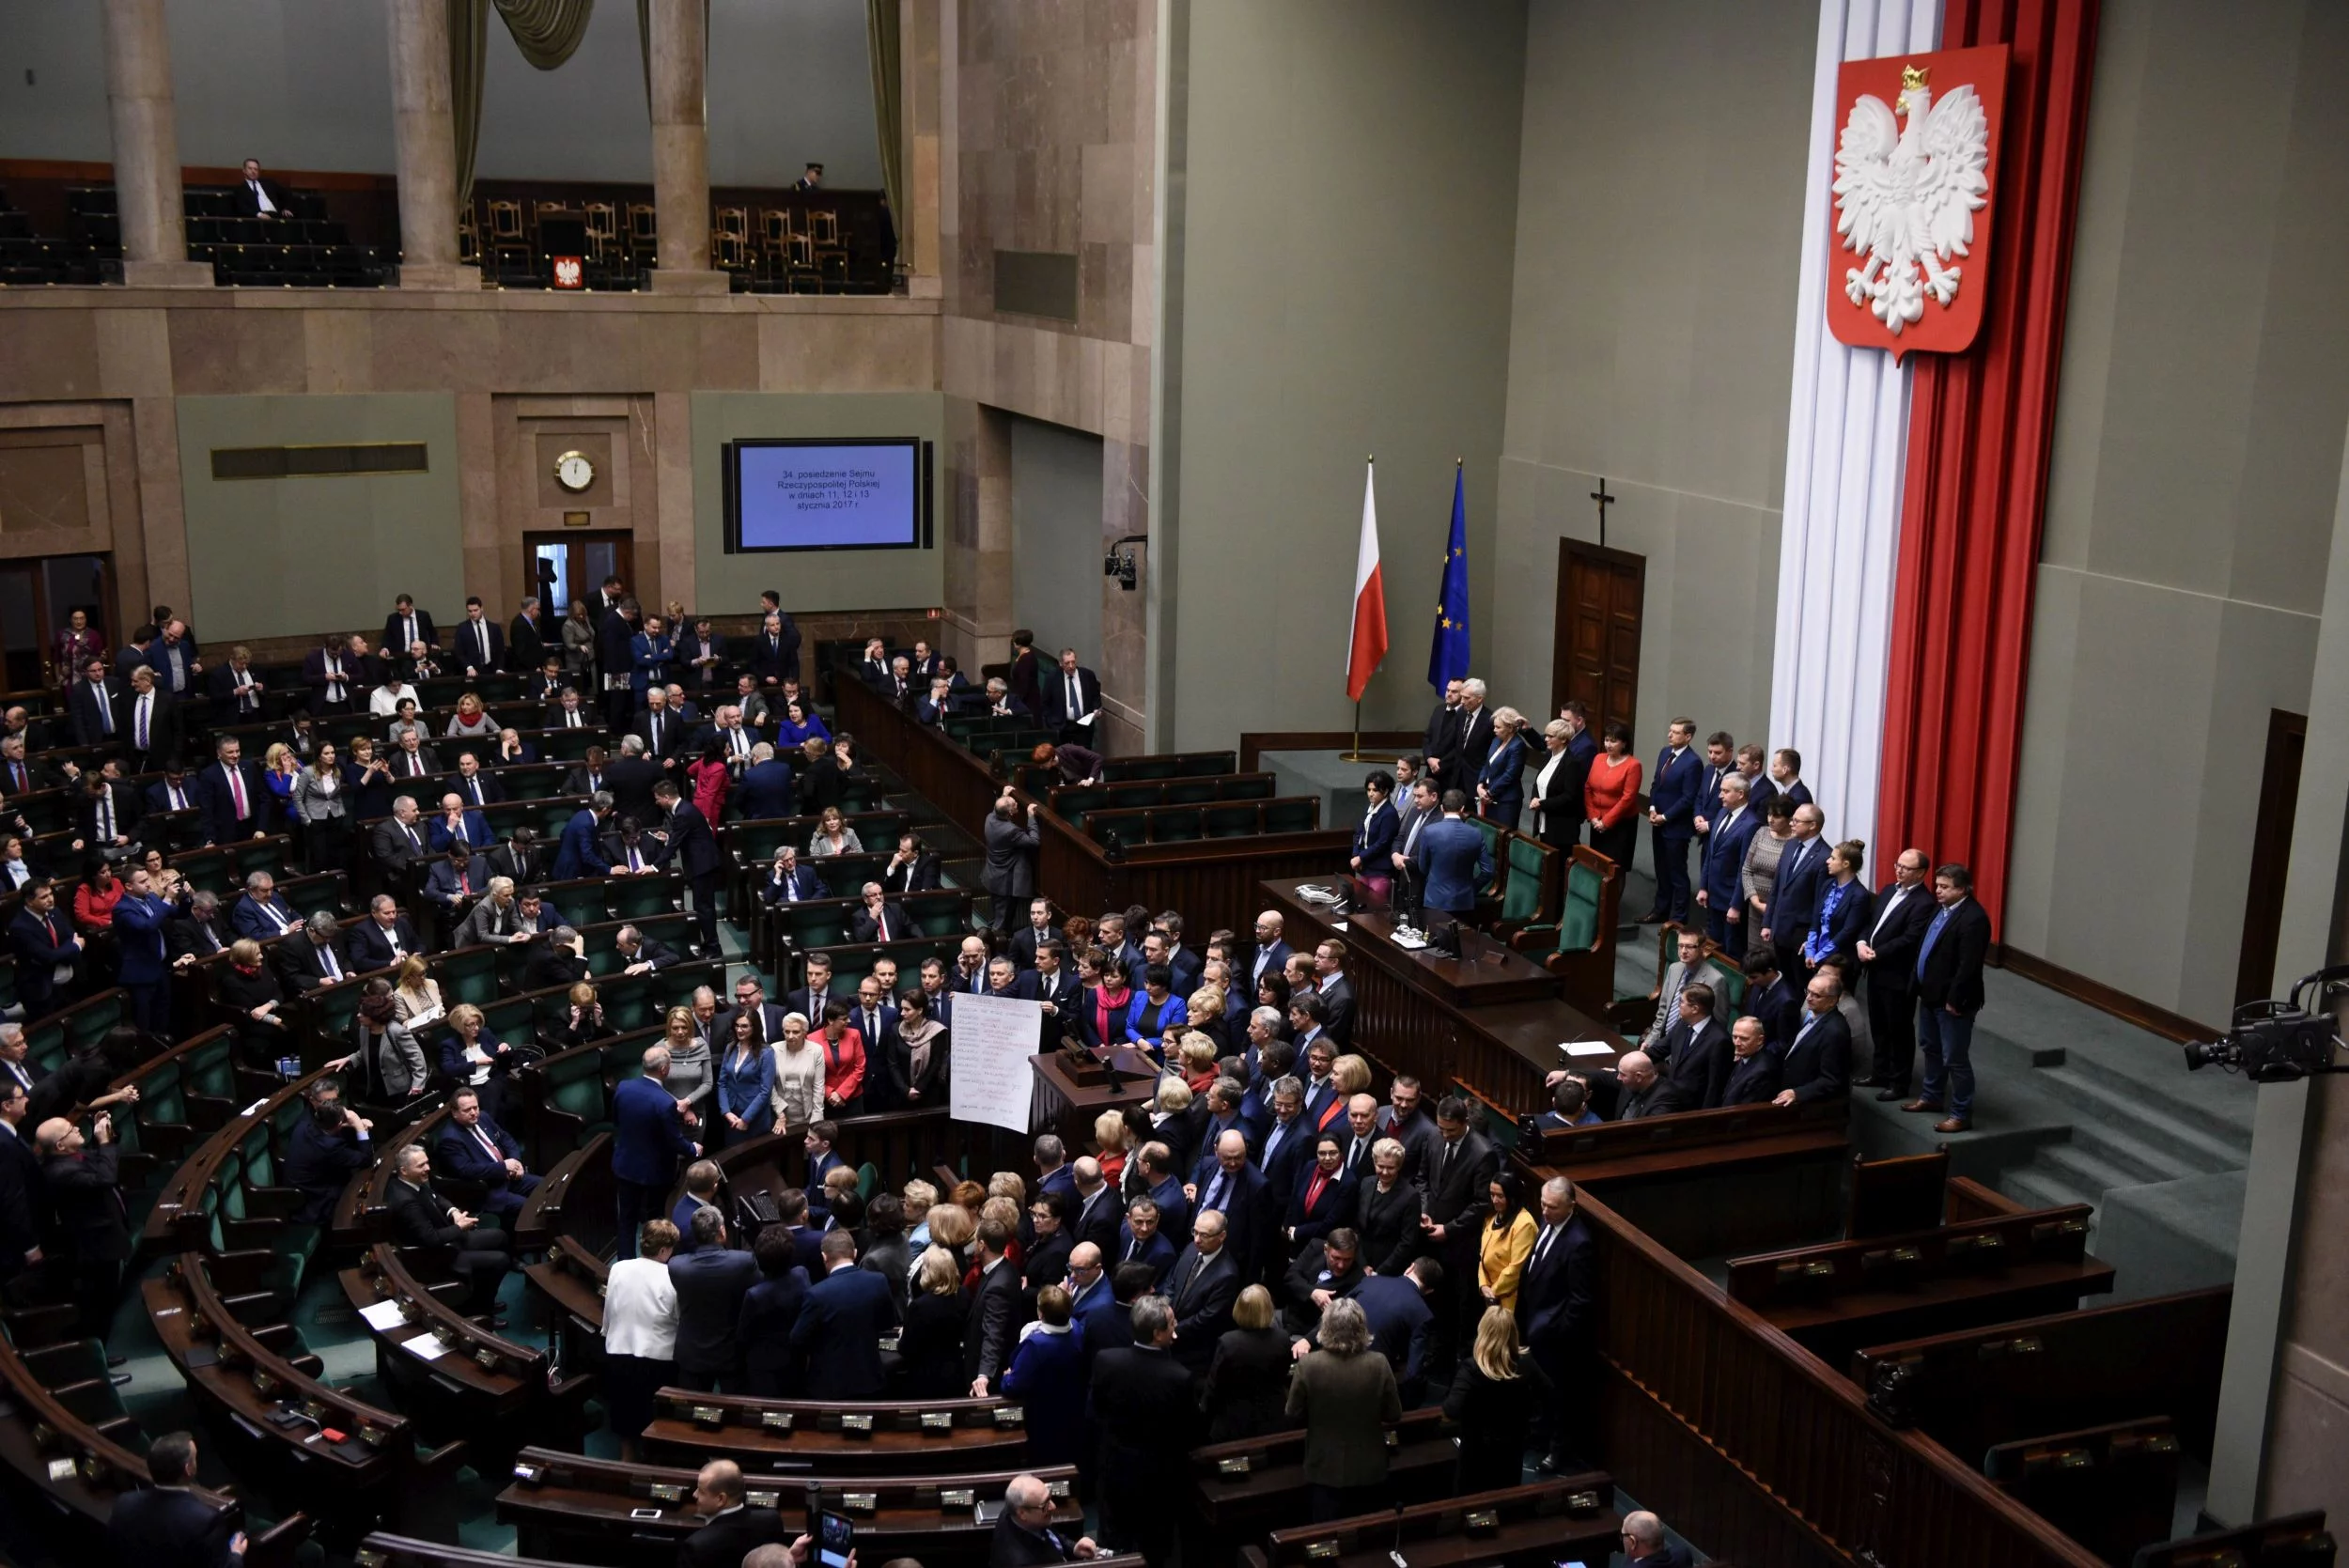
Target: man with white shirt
x: 236, y: 688
x: 1888, y: 957
x: 1688, y: 969
x: 147, y: 727
x: 480, y: 642
x: 406, y: 625
x: 1072, y: 698
x: 259, y: 197
x: 1721, y: 890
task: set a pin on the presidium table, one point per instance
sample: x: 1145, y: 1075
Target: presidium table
x: 1497, y: 1022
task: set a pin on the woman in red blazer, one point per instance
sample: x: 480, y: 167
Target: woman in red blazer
x: 1610, y: 795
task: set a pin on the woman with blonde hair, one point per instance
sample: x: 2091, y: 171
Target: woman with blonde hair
x: 471, y: 1057
x: 582, y: 1023
x: 416, y: 994
x: 1109, y: 1132
x: 1248, y: 1381
x: 834, y: 836
x: 1199, y: 1056
x: 951, y: 1229
x: 1500, y: 786
x: 693, y: 1074
x: 798, y: 1098
x: 917, y: 1198
x: 930, y: 1347
x: 1494, y: 1397
x: 1351, y: 1073
x: 471, y: 720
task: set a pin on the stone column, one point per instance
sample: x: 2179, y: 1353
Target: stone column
x: 919, y: 34
x: 680, y: 150
x: 146, y: 148
x: 424, y: 129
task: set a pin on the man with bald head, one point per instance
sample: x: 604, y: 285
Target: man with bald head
x: 1752, y: 1071
x: 1644, y: 1093
x: 1235, y: 1188
x: 1644, y: 1545
x: 734, y: 1530
x: 1025, y: 1536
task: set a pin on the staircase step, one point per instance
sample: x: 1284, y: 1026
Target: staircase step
x: 2040, y: 1187
x: 2208, y: 1149
x: 2145, y: 1158
x: 2080, y: 1167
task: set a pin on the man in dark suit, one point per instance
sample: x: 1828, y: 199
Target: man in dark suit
x: 734, y: 1529
x: 1754, y: 1073
x: 1949, y: 995
x: 1696, y: 1051
x: 775, y: 651
x: 1335, y: 991
x: 398, y: 841
x: 1642, y: 1092
x: 105, y: 810
x: 526, y: 639
x: 332, y: 676
x: 1288, y: 1140
x: 146, y: 722
x: 1459, y: 1193
x: 175, y: 791
x: 235, y: 800
x: 472, y: 785
x: 1888, y: 957
x: 84, y: 1185
x: 1795, y: 895
x: 841, y: 1323
x: 629, y: 778
x: 1025, y: 1536
x: 1225, y: 1182
x: 1203, y: 1284
x: 1400, y: 1313
x: 1140, y: 1239
x: 406, y: 625
x: 256, y: 195
x: 480, y: 646
x: 166, y: 1525
x: 1721, y: 888
x: 1147, y: 1416
x: 48, y: 954
x: 1453, y: 859
x: 694, y: 850
x: 580, y: 851
x: 662, y: 730
x: 422, y: 1218
x: 1557, y: 1314
x: 766, y: 1017
x: 766, y: 790
x: 93, y: 704
x: 878, y: 919
x: 992, y: 1328
x: 1442, y: 743
x: 476, y: 1149
x: 1818, y: 1062
x: 523, y: 858
x: 1098, y: 1210
x: 1272, y: 953
x: 1072, y: 699
x: 1671, y: 820
x: 710, y: 1281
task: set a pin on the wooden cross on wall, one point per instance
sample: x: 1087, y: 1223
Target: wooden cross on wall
x: 1604, y: 501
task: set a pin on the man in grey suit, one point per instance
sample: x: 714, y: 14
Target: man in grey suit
x: 711, y: 1283
x: 1688, y: 970
x: 1010, y: 875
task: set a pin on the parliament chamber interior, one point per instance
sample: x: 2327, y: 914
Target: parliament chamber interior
x: 705, y: 859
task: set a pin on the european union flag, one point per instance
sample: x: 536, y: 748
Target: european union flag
x: 1448, y: 656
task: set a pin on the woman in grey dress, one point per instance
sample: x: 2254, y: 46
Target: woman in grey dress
x: 1760, y: 875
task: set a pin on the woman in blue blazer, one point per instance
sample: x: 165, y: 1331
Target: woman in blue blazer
x: 1843, y: 907
x: 1046, y: 1375
x: 1374, y: 836
x: 1500, y: 787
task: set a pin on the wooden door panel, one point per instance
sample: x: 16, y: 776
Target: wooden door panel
x: 1596, y: 657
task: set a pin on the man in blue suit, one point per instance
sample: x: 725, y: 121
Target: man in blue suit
x: 1453, y: 859
x: 647, y: 1141
x: 261, y: 913
x: 766, y: 790
x: 474, y: 1148
x: 650, y: 655
x: 1733, y: 826
x: 841, y: 1323
x: 146, y: 974
x: 1140, y: 1240
x: 1226, y: 1183
x: 1402, y: 1322
x: 44, y: 944
x: 167, y: 1525
x: 457, y: 822
x: 1795, y: 895
x: 1671, y: 798
x: 1558, y: 1315
x: 581, y: 854
x: 1272, y: 955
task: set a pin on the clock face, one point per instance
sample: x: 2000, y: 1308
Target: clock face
x: 574, y: 471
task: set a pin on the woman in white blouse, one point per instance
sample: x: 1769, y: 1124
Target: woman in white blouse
x: 640, y: 1318
x: 383, y: 702
x: 798, y: 1092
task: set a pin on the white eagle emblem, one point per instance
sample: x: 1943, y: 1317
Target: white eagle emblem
x: 1906, y: 198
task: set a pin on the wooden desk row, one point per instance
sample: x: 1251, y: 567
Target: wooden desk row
x: 1549, y: 1522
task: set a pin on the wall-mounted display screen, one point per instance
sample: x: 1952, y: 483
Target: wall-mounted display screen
x: 869, y: 494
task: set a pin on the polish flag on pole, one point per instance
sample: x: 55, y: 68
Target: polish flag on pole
x: 1370, y: 598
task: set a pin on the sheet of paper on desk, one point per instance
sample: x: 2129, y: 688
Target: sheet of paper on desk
x: 1586, y: 1048
x: 424, y: 1347
x: 382, y: 1316
x: 1338, y: 926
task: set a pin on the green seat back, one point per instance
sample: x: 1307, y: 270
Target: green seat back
x: 1292, y: 816
x: 1729, y: 980
x: 868, y: 1178
x: 824, y: 925
x: 211, y: 1070
x: 1245, y: 787
x: 574, y: 1083
x: 1522, y: 894
x: 551, y: 815
x: 510, y: 1019
x: 1578, y: 919
x: 1077, y: 800
x: 467, y: 974
x: 1127, y: 797
x: 580, y: 903
x: 532, y: 780
x: 756, y: 841
x: 936, y: 916
x: 1176, y: 824
x: 569, y: 745
x: 627, y: 1001
x: 163, y: 1102
x: 256, y: 854
x: 88, y: 1024
x: 260, y: 1164
x: 1188, y: 792
x: 1153, y: 768
x: 310, y: 894
x: 55, y: 1366
x: 636, y: 897
x: 623, y: 1058
x: 1231, y: 821
x: 46, y: 1042
x: 333, y: 1007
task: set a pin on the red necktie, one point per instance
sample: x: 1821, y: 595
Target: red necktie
x: 1315, y: 1188
x: 235, y: 793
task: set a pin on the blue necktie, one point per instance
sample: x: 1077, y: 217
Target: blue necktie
x: 1932, y: 933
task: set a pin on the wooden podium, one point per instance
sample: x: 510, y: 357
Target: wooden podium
x: 1071, y: 1095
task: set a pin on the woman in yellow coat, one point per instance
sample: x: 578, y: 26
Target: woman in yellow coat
x: 1508, y: 1241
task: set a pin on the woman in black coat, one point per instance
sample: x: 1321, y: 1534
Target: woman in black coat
x: 930, y: 1348
x: 1494, y: 1398
x: 1386, y: 1212
x: 1247, y: 1390
x: 247, y: 985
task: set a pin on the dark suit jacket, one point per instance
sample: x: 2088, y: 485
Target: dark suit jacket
x: 1794, y: 899
x: 219, y: 805
x: 88, y: 730
x: 459, y: 1153
x: 241, y: 196
x: 647, y: 1139
x: 85, y: 1194
x: 765, y: 791
x: 728, y: 1538
x: 692, y: 846
x: 1055, y: 690
x: 1145, y: 1412
x: 1818, y: 1064
x: 395, y: 636
x: 1894, y: 930
x: 1203, y: 1307
x: 1462, y: 1195
x: 710, y: 1284
x: 839, y: 1333
x: 38, y: 955
x: 420, y: 1216
x: 1558, y: 1297
x: 1697, y: 1068
x: 1671, y: 788
x: 1950, y: 974
x: 372, y: 947
x: 992, y: 1328
x: 631, y: 781
x: 168, y: 1527
x: 1752, y: 1081
x: 467, y: 650
x: 127, y: 813
x: 764, y: 1330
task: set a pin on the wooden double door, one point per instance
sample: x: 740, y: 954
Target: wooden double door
x: 1596, y: 657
